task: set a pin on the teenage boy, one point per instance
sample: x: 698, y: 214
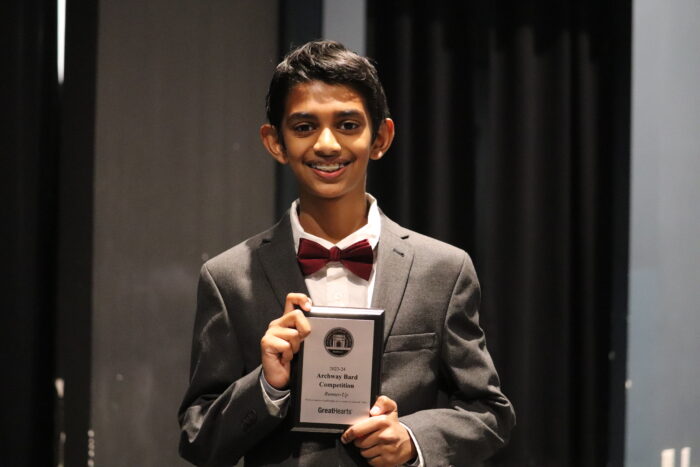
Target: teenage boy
x: 440, y: 403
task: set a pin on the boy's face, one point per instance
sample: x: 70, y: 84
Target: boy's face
x: 327, y: 138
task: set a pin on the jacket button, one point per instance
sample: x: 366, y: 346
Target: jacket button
x: 249, y: 420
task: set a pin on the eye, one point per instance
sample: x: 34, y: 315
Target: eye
x: 349, y: 125
x: 303, y: 127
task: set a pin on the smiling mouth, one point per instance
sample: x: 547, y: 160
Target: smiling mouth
x: 328, y: 168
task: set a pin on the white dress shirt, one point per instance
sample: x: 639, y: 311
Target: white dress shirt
x: 334, y: 285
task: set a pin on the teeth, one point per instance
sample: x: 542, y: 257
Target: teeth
x: 328, y: 167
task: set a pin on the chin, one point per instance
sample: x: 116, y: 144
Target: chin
x: 328, y: 194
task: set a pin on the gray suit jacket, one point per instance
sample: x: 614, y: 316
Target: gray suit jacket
x: 435, y: 363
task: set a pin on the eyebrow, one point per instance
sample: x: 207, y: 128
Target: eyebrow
x: 311, y: 116
x: 349, y: 113
x: 301, y: 116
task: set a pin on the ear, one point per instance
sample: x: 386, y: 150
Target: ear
x: 382, y: 142
x: 271, y: 140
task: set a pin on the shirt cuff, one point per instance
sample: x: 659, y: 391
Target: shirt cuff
x: 418, y: 461
x: 276, y: 400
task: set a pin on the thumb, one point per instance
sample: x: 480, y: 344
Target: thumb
x: 383, y: 405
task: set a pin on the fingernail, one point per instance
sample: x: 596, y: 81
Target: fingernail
x: 374, y: 411
x: 343, y: 440
x: 308, y: 303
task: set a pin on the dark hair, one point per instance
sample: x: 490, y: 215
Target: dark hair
x: 332, y: 63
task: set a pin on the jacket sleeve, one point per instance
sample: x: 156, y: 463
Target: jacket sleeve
x: 223, y: 413
x: 478, y: 418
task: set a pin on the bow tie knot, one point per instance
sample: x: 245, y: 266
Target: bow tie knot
x: 357, y: 258
x: 334, y: 254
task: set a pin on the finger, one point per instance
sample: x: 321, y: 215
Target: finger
x: 379, y: 439
x: 364, y: 428
x: 277, y: 347
x: 298, y: 299
x: 294, y: 319
x: 366, y: 442
x: 369, y: 453
x: 383, y: 405
x: 290, y: 335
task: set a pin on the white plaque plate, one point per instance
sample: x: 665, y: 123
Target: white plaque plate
x: 337, y: 376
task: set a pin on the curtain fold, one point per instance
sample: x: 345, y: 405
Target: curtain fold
x: 512, y: 142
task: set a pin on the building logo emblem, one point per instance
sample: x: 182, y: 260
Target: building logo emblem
x: 338, y: 342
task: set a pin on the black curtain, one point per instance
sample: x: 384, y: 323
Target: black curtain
x: 513, y: 143
x: 28, y: 180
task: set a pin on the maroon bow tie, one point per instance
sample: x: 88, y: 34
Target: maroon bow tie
x: 357, y: 258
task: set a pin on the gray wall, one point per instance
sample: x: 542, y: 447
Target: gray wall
x: 180, y: 175
x: 345, y: 21
x: 663, y: 396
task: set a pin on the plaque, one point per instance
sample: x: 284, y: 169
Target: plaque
x: 337, y: 368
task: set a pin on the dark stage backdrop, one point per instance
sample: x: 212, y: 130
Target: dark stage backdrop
x: 512, y: 142
x: 28, y: 184
x: 115, y: 187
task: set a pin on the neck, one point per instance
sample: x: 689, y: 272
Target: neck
x: 333, y: 219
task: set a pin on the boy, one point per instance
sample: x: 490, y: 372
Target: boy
x: 440, y: 403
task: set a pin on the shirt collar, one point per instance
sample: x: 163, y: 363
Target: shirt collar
x: 369, y: 231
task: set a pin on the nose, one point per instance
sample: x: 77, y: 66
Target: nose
x: 327, y: 144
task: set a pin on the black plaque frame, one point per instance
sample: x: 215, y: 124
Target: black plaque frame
x: 369, y: 314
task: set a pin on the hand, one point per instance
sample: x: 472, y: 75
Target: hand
x: 282, y: 340
x: 382, y: 439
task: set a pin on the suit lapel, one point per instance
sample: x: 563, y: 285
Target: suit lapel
x: 276, y: 254
x: 394, y: 260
